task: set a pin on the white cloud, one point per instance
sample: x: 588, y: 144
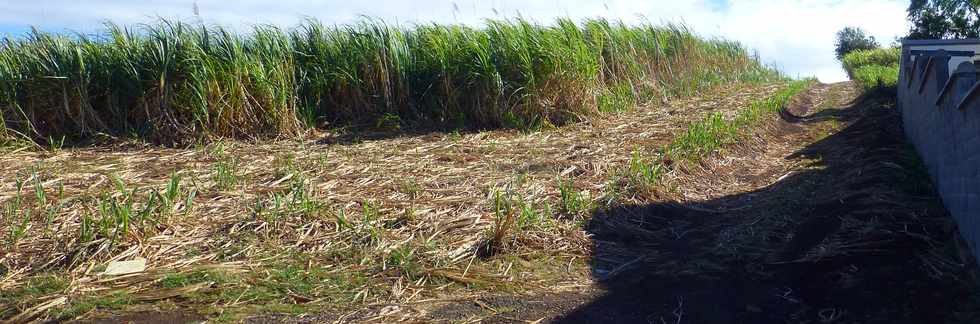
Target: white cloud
x: 796, y: 35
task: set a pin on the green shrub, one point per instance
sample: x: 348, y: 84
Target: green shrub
x: 876, y: 68
x: 852, y: 39
x: 880, y: 56
x: 877, y: 76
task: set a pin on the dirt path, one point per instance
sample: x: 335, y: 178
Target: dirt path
x: 823, y: 217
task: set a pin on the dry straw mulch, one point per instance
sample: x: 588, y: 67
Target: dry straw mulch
x: 433, y: 194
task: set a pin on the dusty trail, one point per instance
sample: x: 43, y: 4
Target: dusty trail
x: 822, y: 217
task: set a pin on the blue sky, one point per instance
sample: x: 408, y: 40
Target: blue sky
x: 795, y: 35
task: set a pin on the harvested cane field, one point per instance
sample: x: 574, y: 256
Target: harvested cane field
x: 590, y: 172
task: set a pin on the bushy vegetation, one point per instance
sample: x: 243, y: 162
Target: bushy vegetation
x: 873, y: 68
x: 879, y: 56
x: 852, y: 39
x: 173, y: 82
x: 944, y: 19
x: 877, y: 76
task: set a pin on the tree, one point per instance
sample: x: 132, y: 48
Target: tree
x: 851, y: 39
x: 938, y: 19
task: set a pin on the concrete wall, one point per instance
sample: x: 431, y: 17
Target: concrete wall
x: 940, y: 105
x: 955, y: 61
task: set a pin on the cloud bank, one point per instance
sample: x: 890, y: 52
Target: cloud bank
x: 795, y: 35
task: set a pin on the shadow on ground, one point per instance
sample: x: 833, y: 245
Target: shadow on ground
x: 859, y: 237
